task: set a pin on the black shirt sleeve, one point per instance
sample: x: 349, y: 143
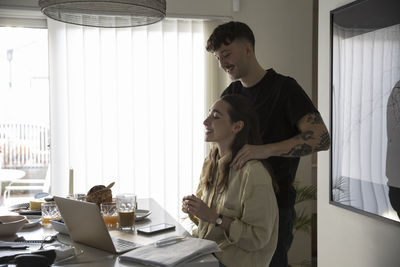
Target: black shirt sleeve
x: 298, y: 104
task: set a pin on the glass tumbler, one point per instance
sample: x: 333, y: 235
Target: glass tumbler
x: 110, y: 214
x: 126, y: 207
x: 49, y: 212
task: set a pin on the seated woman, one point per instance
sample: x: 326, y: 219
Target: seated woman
x: 236, y: 209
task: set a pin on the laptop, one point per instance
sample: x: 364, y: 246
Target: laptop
x: 86, y: 225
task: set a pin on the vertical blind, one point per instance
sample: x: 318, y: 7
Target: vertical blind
x: 128, y: 106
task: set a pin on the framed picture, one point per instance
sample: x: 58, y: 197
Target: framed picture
x: 365, y: 108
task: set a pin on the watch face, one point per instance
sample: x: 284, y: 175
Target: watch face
x: 218, y: 221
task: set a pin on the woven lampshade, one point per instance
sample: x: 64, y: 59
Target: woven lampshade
x: 106, y: 13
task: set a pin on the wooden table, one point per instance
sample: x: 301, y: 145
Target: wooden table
x: 99, y: 258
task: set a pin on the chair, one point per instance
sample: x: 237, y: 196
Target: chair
x: 42, y: 185
x: 10, y: 175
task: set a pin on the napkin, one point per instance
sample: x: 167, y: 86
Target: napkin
x: 181, y: 252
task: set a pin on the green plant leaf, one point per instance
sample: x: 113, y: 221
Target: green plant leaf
x: 305, y: 193
x: 302, y: 222
x: 339, y: 193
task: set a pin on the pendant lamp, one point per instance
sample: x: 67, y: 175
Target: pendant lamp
x: 105, y: 13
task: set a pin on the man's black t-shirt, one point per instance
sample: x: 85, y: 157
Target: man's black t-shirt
x: 280, y: 103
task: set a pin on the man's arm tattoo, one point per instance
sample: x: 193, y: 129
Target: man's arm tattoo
x: 325, y: 142
x: 314, y: 118
x: 299, y: 151
x: 307, y: 141
x: 307, y: 135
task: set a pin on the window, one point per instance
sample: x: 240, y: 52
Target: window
x: 24, y: 111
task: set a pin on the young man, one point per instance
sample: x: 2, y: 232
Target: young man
x: 290, y: 125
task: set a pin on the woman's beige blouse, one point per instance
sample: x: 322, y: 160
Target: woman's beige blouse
x: 250, y: 200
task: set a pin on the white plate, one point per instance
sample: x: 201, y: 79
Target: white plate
x: 33, y: 221
x: 18, y: 207
x: 141, y: 214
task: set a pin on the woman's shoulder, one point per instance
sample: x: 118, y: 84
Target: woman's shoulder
x: 253, y: 164
x: 255, y: 170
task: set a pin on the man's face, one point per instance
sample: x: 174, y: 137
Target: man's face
x: 234, y: 58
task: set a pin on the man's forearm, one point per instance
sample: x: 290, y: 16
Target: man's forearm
x: 299, y: 146
x: 313, y: 138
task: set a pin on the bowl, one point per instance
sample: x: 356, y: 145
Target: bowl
x: 11, y: 224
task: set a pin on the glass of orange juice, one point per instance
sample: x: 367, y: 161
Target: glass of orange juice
x: 109, y: 213
x: 49, y: 212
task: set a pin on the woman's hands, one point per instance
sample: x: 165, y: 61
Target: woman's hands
x: 195, y: 206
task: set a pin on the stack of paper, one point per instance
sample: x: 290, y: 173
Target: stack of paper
x: 181, y: 252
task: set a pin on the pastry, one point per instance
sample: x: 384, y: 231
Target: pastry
x: 100, y: 194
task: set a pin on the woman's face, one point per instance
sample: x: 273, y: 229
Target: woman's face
x: 218, y: 125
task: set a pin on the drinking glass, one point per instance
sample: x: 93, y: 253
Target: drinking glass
x: 79, y: 196
x: 49, y: 212
x: 110, y: 214
x: 126, y: 207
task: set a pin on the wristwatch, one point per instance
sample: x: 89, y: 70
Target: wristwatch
x: 218, y: 222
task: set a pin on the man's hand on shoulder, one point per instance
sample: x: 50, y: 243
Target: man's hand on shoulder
x: 249, y: 152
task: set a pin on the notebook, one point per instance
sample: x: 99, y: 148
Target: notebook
x: 86, y: 225
x: 171, y: 255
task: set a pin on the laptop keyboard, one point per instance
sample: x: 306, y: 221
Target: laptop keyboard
x: 121, y: 244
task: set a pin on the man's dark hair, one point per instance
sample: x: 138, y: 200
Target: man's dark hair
x: 227, y: 33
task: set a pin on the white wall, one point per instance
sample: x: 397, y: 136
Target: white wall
x: 346, y: 238
x: 283, y: 30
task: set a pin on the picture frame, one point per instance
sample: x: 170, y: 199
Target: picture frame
x: 365, y: 108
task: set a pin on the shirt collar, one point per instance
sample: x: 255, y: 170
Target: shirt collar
x: 224, y: 159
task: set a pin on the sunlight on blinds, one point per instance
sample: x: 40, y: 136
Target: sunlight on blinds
x: 134, y: 108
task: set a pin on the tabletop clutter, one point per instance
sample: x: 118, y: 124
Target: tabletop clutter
x: 118, y: 213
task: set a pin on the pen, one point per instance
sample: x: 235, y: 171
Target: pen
x: 169, y: 241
